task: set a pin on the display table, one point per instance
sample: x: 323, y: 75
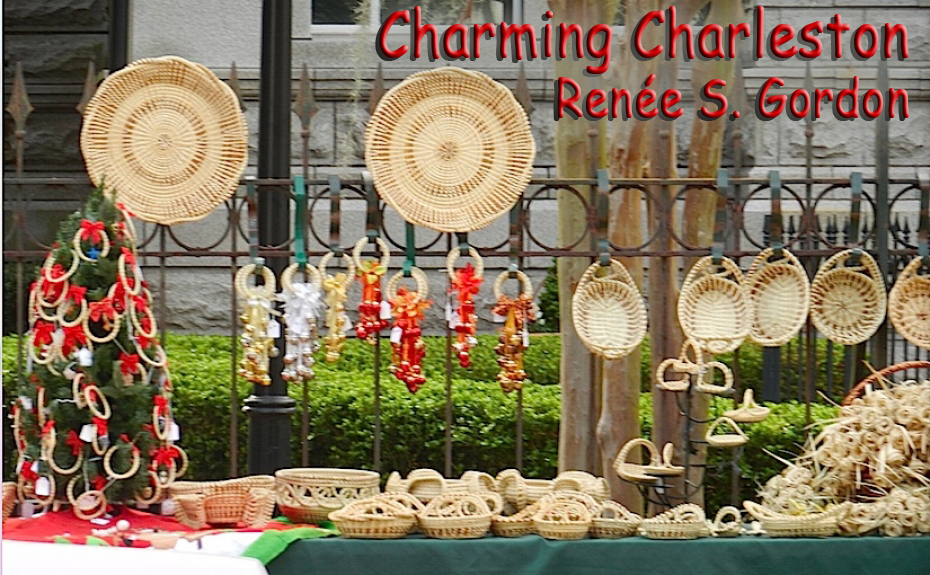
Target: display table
x: 534, y: 555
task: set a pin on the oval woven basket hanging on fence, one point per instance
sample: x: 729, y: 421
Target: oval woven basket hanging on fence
x: 167, y: 137
x: 450, y: 149
x: 608, y: 311
x: 713, y: 308
x: 909, y: 304
x: 779, y: 290
x: 848, y: 299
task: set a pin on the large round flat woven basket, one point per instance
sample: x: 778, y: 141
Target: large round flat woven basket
x: 167, y: 137
x: 608, y: 312
x: 848, y: 300
x: 909, y: 305
x: 449, y: 149
x: 780, y: 294
x: 713, y: 308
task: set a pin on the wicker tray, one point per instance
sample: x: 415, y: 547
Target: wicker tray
x: 685, y: 521
x: 608, y: 311
x: 309, y: 495
x: 848, y: 299
x: 713, y: 308
x: 909, y: 304
x: 168, y: 137
x: 808, y: 525
x: 780, y: 293
x: 449, y: 149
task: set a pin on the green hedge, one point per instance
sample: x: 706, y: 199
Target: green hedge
x: 341, y: 415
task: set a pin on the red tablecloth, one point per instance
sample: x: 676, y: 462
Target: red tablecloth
x: 53, y: 525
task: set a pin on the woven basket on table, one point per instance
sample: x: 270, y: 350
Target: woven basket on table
x: 608, y: 311
x: 456, y: 516
x: 516, y: 525
x: 779, y: 289
x: 848, y: 299
x: 562, y: 519
x: 613, y: 521
x: 881, y: 374
x: 909, y: 304
x: 374, y: 518
x: 685, y: 521
x: 9, y: 498
x: 518, y: 491
x: 427, y: 484
x: 713, y: 308
x: 168, y: 137
x: 808, y: 525
x: 582, y: 481
x: 309, y: 495
x: 728, y: 522
x: 449, y: 149
x: 247, y: 500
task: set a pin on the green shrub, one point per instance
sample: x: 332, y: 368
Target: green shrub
x: 341, y: 416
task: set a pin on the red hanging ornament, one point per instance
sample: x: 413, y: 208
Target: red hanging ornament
x: 407, y: 346
x: 371, y: 317
x: 518, y: 313
x: 92, y: 231
x: 465, y: 284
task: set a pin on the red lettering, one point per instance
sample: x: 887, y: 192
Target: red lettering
x: 562, y: 102
x: 893, y: 94
x: 714, y: 97
x: 675, y: 32
x: 565, y: 34
x: 819, y: 96
x: 421, y: 31
x: 595, y: 98
x: 638, y: 34
x: 649, y: 95
x: 865, y: 104
x: 780, y: 35
x: 382, y: 32
x: 807, y: 35
x: 733, y: 33
x: 519, y: 31
x: 480, y: 29
x: 853, y: 94
x: 792, y: 103
x: 671, y: 98
x: 462, y: 50
x: 873, y: 44
x: 836, y: 28
x: 891, y: 32
x: 618, y: 96
x: 759, y: 17
x: 717, y: 31
x: 766, y: 100
x: 603, y: 52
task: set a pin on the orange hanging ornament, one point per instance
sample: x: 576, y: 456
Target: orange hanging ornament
x: 373, y: 313
x: 407, y: 346
x: 518, y: 313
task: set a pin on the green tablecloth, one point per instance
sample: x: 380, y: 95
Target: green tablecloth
x: 633, y: 556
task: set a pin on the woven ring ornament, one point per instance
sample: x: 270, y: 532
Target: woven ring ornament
x: 243, y: 288
x: 157, y: 491
x: 909, y: 304
x: 385, y: 260
x: 418, y: 276
x: 136, y: 287
x: 735, y: 439
x: 103, y: 411
x: 313, y: 276
x: 110, y: 336
x: 48, y: 453
x: 780, y: 293
x: 40, y: 405
x: 137, y: 323
x: 450, y: 149
x: 710, y: 387
x: 130, y: 228
x: 47, y: 267
x: 63, y: 310
x: 133, y: 467
x: 168, y: 136
x: 76, y: 244
x: 350, y: 266
x: 50, y: 352
x: 46, y: 304
x: 23, y: 491
x: 848, y: 303
x: 160, y: 431
x: 608, y: 313
x: 86, y: 510
x: 455, y: 253
x: 160, y: 362
x: 170, y: 475
x: 76, y: 391
x: 713, y: 308
x: 526, y: 285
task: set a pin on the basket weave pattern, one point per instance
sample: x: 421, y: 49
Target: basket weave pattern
x: 713, y: 308
x: 310, y: 495
x: 247, y: 500
x: 780, y: 293
x: 9, y: 498
x: 848, y: 298
x: 456, y: 516
x: 685, y: 521
x: 608, y: 312
x: 909, y: 305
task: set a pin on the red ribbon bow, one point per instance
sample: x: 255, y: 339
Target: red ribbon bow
x: 140, y: 302
x: 92, y: 231
x: 27, y: 472
x: 129, y: 362
x: 102, y: 309
x: 74, y: 442
x: 161, y: 404
x: 42, y: 332
x: 55, y: 272
x: 165, y: 456
x: 466, y: 282
x: 130, y: 257
x: 74, y: 336
x: 48, y: 427
x: 76, y: 293
x: 101, y: 424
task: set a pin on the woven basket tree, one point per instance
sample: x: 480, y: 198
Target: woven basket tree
x: 848, y: 299
x: 608, y: 311
x: 449, y: 149
x: 713, y: 308
x: 780, y: 292
x: 169, y: 136
x: 909, y: 305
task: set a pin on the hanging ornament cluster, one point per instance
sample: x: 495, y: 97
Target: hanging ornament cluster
x: 517, y: 313
x: 260, y: 329
x: 303, y: 306
x: 92, y: 334
x: 373, y: 313
x: 408, y: 348
x: 465, y: 283
x: 336, y: 288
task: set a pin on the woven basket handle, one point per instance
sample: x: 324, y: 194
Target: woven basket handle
x: 859, y: 388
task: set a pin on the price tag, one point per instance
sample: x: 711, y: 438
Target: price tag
x: 43, y: 488
x: 85, y: 357
x: 526, y: 337
x: 385, y: 310
x: 174, y: 432
x: 87, y: 503
x: 87, y: 433
x: 449, y: 312
x: 497, y: 318
x: 274, y: 329
x: 29, y: 363
x: 396, y: 334
x: 454, y: 321
x: 25, y: 401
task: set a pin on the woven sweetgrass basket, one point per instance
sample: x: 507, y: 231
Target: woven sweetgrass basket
x: 449, y: 149
x: 909, y: 304
x: 456, y: 516
x: 807, y: 525
x: 168, y: 136
x: 374, y: 518
x: 734, y: 438
x: 614, y: 521
x: 780, y: 292
x: 713, y: 308
x: 562, y: 519
x: 608, y: 311
x: 247, y: 500
x: 749, y: 411
x: 8, y: 498
x: 848, y: 300
x: 685, y: 521
x: 309, y: 495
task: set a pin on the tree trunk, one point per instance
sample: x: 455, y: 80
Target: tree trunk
x: 580, y: 145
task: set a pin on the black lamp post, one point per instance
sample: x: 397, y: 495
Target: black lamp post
x: 269, y: 407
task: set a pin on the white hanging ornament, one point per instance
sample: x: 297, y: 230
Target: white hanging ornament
x: 303, y: 306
